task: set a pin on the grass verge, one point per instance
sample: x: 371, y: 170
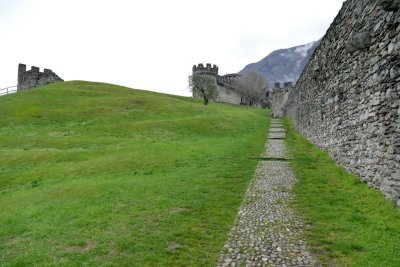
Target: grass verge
x: 97, y: 174
x: 351, y: 224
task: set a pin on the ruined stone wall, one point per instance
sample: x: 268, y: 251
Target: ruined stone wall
x: 347, y: 100
x: 34, y: 78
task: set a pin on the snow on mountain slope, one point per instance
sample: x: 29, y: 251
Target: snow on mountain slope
x: 284, y: 65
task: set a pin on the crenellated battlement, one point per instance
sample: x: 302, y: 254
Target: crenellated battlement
x: 228, y: 91
x: 228, y: 79
x: 35, y: 69
x: 225, y: 84
x: 208, y: 69
x: 287, y: 86
x: 34, y: 78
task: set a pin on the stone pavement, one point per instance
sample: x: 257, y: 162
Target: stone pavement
x: 267, y: 231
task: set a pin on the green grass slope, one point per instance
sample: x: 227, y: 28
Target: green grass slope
x: 351, y: 224
x: 97, y: 174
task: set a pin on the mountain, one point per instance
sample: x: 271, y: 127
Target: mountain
x: 284, y: 65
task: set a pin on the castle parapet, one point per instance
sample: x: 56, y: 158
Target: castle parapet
x: 48, y: 72
x: 287, y: 84
x: 208, y: 69
x: 228, y: 79
x: 34, y: 78
x: 35, y: 69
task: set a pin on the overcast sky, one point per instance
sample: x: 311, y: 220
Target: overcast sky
x: 151, y: 44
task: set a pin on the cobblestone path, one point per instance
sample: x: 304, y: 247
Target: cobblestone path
x: 267, y: 232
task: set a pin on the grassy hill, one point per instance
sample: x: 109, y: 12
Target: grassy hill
x: 98, y: 174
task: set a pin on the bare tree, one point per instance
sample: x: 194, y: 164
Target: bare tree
x: 252, y: 87
x: 204, y: 86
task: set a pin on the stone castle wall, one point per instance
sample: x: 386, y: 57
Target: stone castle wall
x: 34, y: 78
x: 279, y: 98
x: 225, y: 84
x: 227, y: 95
x: 347, y: 100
